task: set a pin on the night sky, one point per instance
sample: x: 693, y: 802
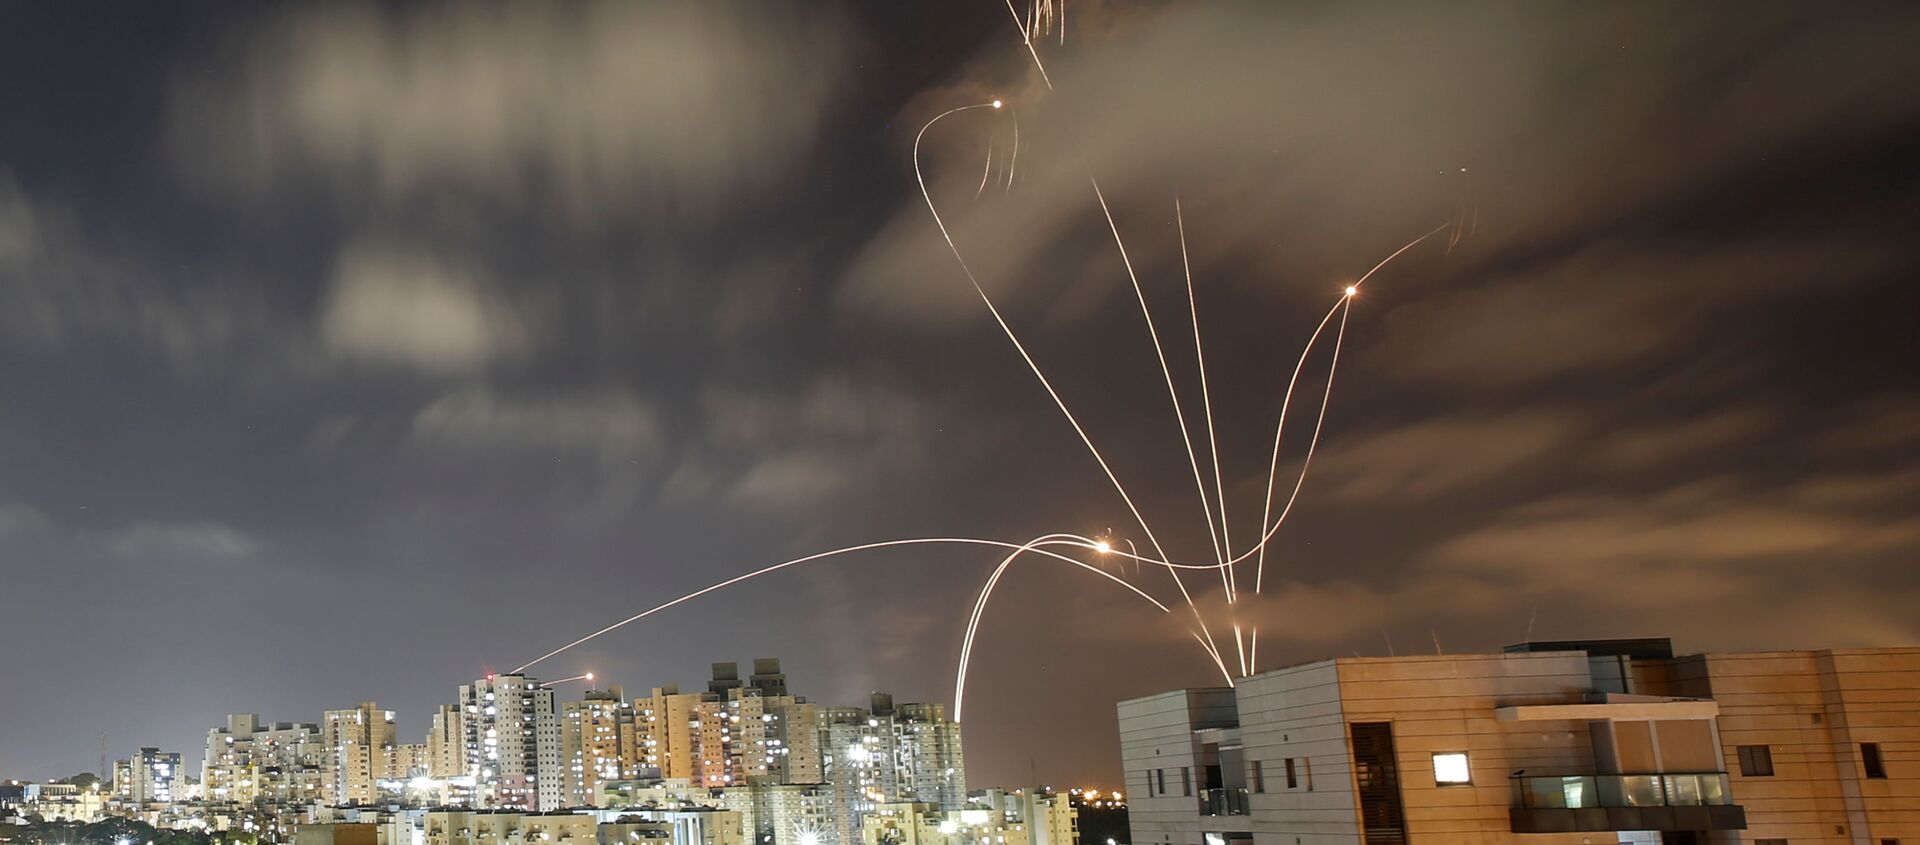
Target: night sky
x: 350, y: 351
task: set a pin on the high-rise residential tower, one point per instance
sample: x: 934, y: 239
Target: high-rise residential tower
x: 512, y: 743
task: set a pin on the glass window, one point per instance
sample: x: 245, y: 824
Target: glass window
x: 1756, y: 761
x: 1293, y: 780
x: 1870, y: 760
x: 1259, y: 778
x: 1186, y: 781
x: 1450, y: 768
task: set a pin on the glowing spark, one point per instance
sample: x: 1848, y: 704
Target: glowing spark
x: 553, y: 683
x: 1102, y: 546
x: 1352, y: 289
x: 996, y: 104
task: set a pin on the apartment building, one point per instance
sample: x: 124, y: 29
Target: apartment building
x: 1565, y: 742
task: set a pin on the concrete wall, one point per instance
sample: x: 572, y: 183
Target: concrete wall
x: 1295, y: 713
x: 1811, y: 709
x: 1156, y: 734
x: 1447, y: 703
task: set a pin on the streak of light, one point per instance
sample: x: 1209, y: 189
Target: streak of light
x: 1206, y: 397
x: 1279, y: 427
x: 553, y: 683
x: 1253, y: 659
x: 986, y: 171
x: 916, y: 541
x: 980, y: 607
x: 1181, y: 418
x: 920, y: 178
x: 1179, y: 415
x: 1028, y: 40
x: 1346, y: 308
x: 1013, y: 160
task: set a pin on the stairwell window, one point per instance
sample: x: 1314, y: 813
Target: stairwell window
x: 1870, y: 760
x: 1259, y: 778
x: 1756, y: 761
x: 1293, y: 778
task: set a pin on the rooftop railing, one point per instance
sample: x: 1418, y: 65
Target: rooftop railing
x: 1223, y: 802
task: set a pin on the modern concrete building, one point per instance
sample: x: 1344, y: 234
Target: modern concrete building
x: 1574, y: 742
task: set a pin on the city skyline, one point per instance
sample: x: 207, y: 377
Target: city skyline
x: 381, y: 348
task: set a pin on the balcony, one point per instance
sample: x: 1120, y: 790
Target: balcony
x: 1664, y: 801
x: 1223, y: 802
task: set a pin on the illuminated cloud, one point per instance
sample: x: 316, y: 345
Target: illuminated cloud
x: 581, y: 109
x: 401, y: 305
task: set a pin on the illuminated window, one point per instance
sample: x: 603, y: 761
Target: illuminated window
x: 1450, y: 768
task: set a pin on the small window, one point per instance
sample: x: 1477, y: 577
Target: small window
x: 1159, y: 782
x: 1293, y: 779
x: 1450, y: 768
x: 1306, y: 773
x: 1259, y: 778
x: 1756, y: 761
x: 1186, y: 781
x: 1769, y: 842
x: 1870, y: 760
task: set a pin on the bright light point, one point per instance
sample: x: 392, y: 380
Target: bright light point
x: 996, y: 104
x: 809, y: 838
x: 589, y: 676
x: 1102, y: 546
x: 1351, y: 290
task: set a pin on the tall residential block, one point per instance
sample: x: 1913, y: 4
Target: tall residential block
x: 512, y: 743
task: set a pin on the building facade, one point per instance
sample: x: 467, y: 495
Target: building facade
x: 512, y: 743
x: 357, y: 743
x: 1603, y: 741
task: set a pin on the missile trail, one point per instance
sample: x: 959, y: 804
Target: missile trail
x: 1028, y: 40
x: 979, y: 609
x: 1160, y: 354
x: 1206, y: 398
x: 1346, y: 308
x: 917, y: 541
x: 920, y: 178
x: 1279, y: 427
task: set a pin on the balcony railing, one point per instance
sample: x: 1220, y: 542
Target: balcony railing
x: 1223, y: 802
x: 1667, y: 789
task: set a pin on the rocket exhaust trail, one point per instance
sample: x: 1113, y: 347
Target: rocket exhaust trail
x: 917, y: 541
x: 920, y: 178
